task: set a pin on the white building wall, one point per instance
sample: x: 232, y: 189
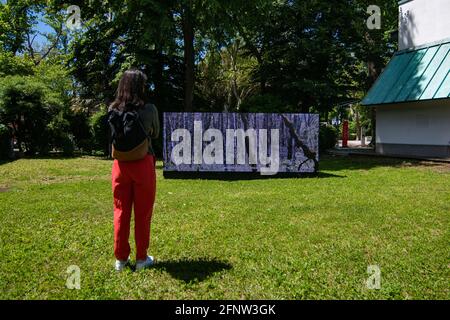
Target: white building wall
x: 423, y: 21
x: 422, y: 123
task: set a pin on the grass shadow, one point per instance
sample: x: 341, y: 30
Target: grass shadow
x: 6, y: 161
x: 363, y: 162
x: 196, y: 270
x: 49, y: 156
x: 327, y: 175
x: 241, y: 176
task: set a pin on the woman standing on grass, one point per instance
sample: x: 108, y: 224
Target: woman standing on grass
x: 134, y: 182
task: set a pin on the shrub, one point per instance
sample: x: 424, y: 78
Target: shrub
x: 5, y: 142
x: 24, y: 98
x: 59, y: 136
x: 100, y: 131
x: 67, y: 145
x: 328, y: 137
x: 34, y: 100
x: 81, y: 130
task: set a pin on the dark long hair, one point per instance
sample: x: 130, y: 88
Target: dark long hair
x: 131, y: 91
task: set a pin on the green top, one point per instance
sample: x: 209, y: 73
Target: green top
x: 413, y: 75
x: 150, y: 121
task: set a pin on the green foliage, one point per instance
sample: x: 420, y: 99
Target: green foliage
x: 59, y: 134
x: 36, y: 107
x: 265, y: 103
x: 100, y: 131
x: 79, y: 127
x: 252, y: 55
x: 141, y: 34
x: 328, y: 137
x: 16, y: 21
x: 58, y: 83
x: 35, y: 99
x: 67, y: 145
x: 226, y: 77
x: 22, y: 104
x: 352, y: 132
x: 14, y: 65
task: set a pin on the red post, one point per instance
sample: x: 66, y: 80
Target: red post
x: 345, y: 134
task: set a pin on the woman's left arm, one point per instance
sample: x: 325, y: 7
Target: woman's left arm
x: 155, y: 127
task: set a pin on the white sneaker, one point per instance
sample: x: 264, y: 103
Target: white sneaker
x: 120, y: 265
x: 143, y: 264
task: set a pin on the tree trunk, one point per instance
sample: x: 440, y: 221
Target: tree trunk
x: 373, y: 74
x: 262, y: 75
x: 357, y: 125
x: 189, y: 57
x: 373, y: 121
x: 159, y: 80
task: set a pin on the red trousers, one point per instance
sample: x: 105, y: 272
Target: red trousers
x: 133, y: 184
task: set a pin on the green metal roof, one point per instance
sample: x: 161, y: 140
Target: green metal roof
x: 413, y: 75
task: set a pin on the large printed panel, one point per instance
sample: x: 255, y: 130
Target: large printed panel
x: 241, y: 142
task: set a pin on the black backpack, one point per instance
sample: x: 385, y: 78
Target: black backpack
x: 130, y: 142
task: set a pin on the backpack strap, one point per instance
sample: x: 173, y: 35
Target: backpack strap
x: 112, y: 114
x: 142, y: 127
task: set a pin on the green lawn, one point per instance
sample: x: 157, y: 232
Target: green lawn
x: 309, y: 238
